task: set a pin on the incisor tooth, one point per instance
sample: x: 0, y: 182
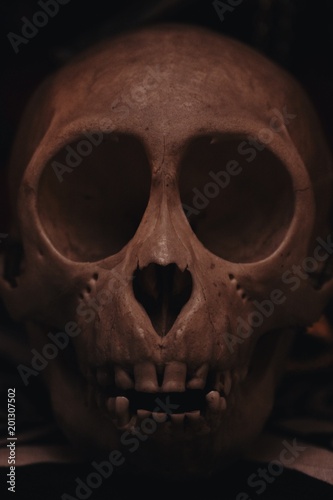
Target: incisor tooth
x: 159, y: 417
x: 174, y: 377
x: 145, y: 377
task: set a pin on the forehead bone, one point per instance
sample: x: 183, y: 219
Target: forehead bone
x: 182, y: 60
x: 172, y: 80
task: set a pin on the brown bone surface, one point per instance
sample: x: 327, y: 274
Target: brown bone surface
x: 177, y: 284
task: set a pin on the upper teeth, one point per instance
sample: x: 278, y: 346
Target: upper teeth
x: 145, y: 377
x: 175, y: 378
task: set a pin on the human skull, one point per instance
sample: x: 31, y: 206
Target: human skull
x: 170, y: 194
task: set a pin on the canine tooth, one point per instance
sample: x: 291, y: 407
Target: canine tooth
x: 145, y: 377
x: 122, y: 378
x: 213, y: 400
x: 198, y: 380
x: 174, y: 377
x: 227, y: 383
x: 122, y: 411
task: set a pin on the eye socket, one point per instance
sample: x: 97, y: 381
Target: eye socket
x: 92, y: 195
x: 238, y: 199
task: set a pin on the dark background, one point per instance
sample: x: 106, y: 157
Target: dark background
x: 298, y: 34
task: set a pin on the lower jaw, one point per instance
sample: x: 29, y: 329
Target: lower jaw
x: 168, y: 414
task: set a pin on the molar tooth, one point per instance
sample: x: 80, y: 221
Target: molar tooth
x: 174, y: 377
x: 145, y: 377
x: 122, y: 378
x: 122, y: 411
x: 198, y: 381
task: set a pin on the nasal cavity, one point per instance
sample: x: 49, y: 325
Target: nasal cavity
x: 162, y: 291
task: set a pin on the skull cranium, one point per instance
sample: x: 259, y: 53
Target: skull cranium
x: 166, y: 187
